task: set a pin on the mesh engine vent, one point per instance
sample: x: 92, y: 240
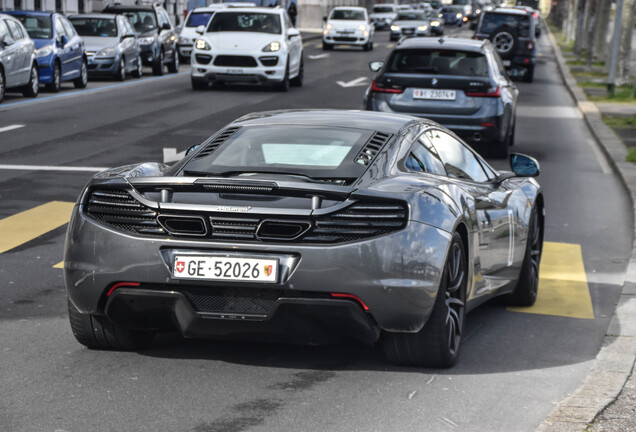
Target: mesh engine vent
x: 220, y: 139
x: 372, y: 148
x: 119, y: 209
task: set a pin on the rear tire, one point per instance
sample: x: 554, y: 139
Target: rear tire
x: 81, y: 81
x: 56, y: 82
x: 98, y: 332
x: 3, y: 85
x: 525, y: 294
x: 505, y: 41
x: 32, y: 89
x: 438, y: 343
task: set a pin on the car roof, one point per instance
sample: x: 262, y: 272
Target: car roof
x: 369, y: 120
x: 509, y: 11
x: 453, y: 44
x: 348, y: 8
x: 129, y: 8
x: 275, y: 10
x: 94, y: 15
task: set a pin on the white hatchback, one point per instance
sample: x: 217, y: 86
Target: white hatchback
x: 348, y: 26
x: 248, y: 45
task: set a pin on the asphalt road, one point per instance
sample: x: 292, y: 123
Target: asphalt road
x: 514, y: 366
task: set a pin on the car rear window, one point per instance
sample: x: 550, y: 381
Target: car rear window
x: 100, y: 27
x: 38, y: 27
x: 438, y: 62
x: 347, y: 15
x: 383, y: 9
x: 245, y: 22
x: 518, y: 23
x: 198, y: 18
x: 142, y: 21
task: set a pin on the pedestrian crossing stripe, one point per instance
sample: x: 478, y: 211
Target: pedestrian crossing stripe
x: 25, y: 226
x: 563, y: 288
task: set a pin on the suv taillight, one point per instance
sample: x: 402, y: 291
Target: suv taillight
x: 493, y: 94
x: 375, y: 87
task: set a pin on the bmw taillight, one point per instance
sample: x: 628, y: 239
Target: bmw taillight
x: 379, y: 88
x: 493, y: 94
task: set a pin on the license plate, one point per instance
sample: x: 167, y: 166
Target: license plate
x: 225, y: 268
x: 235, y: 71
x: 506, y: 63
x: 434, y: 94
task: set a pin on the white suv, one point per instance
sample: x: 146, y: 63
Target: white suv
x: 255, y: 45
x: 348, y: 25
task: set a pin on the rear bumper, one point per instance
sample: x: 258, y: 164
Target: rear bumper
x: 299, y: 320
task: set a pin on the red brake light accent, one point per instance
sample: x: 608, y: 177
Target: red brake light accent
x: 487, y: 124
x: 534, y: 14
x: 121, y: 284
x: 375, y: 88
x: 495, y: 94
x: 351, y: 296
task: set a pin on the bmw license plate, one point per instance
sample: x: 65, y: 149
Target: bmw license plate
x: 225, y: 268
x: 434, y: 94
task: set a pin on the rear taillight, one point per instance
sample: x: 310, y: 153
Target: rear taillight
x: 534, y: 14
x: 375, y: 87
x: 494, y: 94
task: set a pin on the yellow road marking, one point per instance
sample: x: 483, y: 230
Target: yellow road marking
x: 563, y: 288
x: 27, y: 225
x: 59, y: 265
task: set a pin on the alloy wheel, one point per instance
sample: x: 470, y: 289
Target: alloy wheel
x: 455, y: 296
x: 503, y: 42
x: 535, y: 250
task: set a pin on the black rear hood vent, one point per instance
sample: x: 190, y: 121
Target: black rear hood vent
x: 216, y: 142
x: 372, y: 148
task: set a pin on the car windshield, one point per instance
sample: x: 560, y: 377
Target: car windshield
x: 410, y: 16
x: 493, y: 21
x: 142, y: 21
x: 99, y: 27
x: 452, y: 9
x: 383, y: 9
x: 347, y: 14
x: 301, y: 150
x: 245, y: 22
x: 198, y: 18
x: 38, y: 27
x: 438, y: 62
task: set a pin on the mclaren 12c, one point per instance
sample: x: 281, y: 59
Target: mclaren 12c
x: 306, y: 226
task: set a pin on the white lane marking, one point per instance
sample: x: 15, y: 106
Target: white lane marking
x: 555, y: 112
x: 362, y: 81
x: 318, y: 56
x: 600, y: 157
x: 51, y: 168
x: 170, y: 155
x: 12, y: 127
x: 82, y: 92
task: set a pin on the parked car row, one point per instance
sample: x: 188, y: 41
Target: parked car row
x: 49, y: 48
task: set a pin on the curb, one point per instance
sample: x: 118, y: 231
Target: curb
x: 614, y: 363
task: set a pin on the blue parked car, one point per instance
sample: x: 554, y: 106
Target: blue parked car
x: 60, y: 51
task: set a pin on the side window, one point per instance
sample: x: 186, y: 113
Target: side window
x: 458, y: 160
x: 15, y: 30
x: 4, y: 31
x: 162, y: 16
x: 59, y: 29
x: 70, y: 31
x: 424, y: 158
x: 288, y: 22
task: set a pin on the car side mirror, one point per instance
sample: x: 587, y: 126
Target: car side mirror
x: 63, y: 41
x: 292, y: 33
x: 128, y: 35
x: 375, y: 66
x: 524, y: 166
x: 200, y: 29
x: 166, y: 26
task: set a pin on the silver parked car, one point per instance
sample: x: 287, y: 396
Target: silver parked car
x: 410, y: 24
x: 111, y: 45
x: 459, y: 83
x: 18, y: 64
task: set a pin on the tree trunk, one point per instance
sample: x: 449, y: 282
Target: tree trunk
x: 624, y: 54
x: 601, y: 30
x: 591, y: 21
x: 579, y: 34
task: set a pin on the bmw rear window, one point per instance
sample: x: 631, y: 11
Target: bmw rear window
x: 518, y: 23
x: 439, y: 62
x: 38, y: 27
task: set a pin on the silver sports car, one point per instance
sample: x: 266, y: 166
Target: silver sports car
x: 306, y: 226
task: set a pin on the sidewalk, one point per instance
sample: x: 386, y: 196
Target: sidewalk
x: 606, y: 399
